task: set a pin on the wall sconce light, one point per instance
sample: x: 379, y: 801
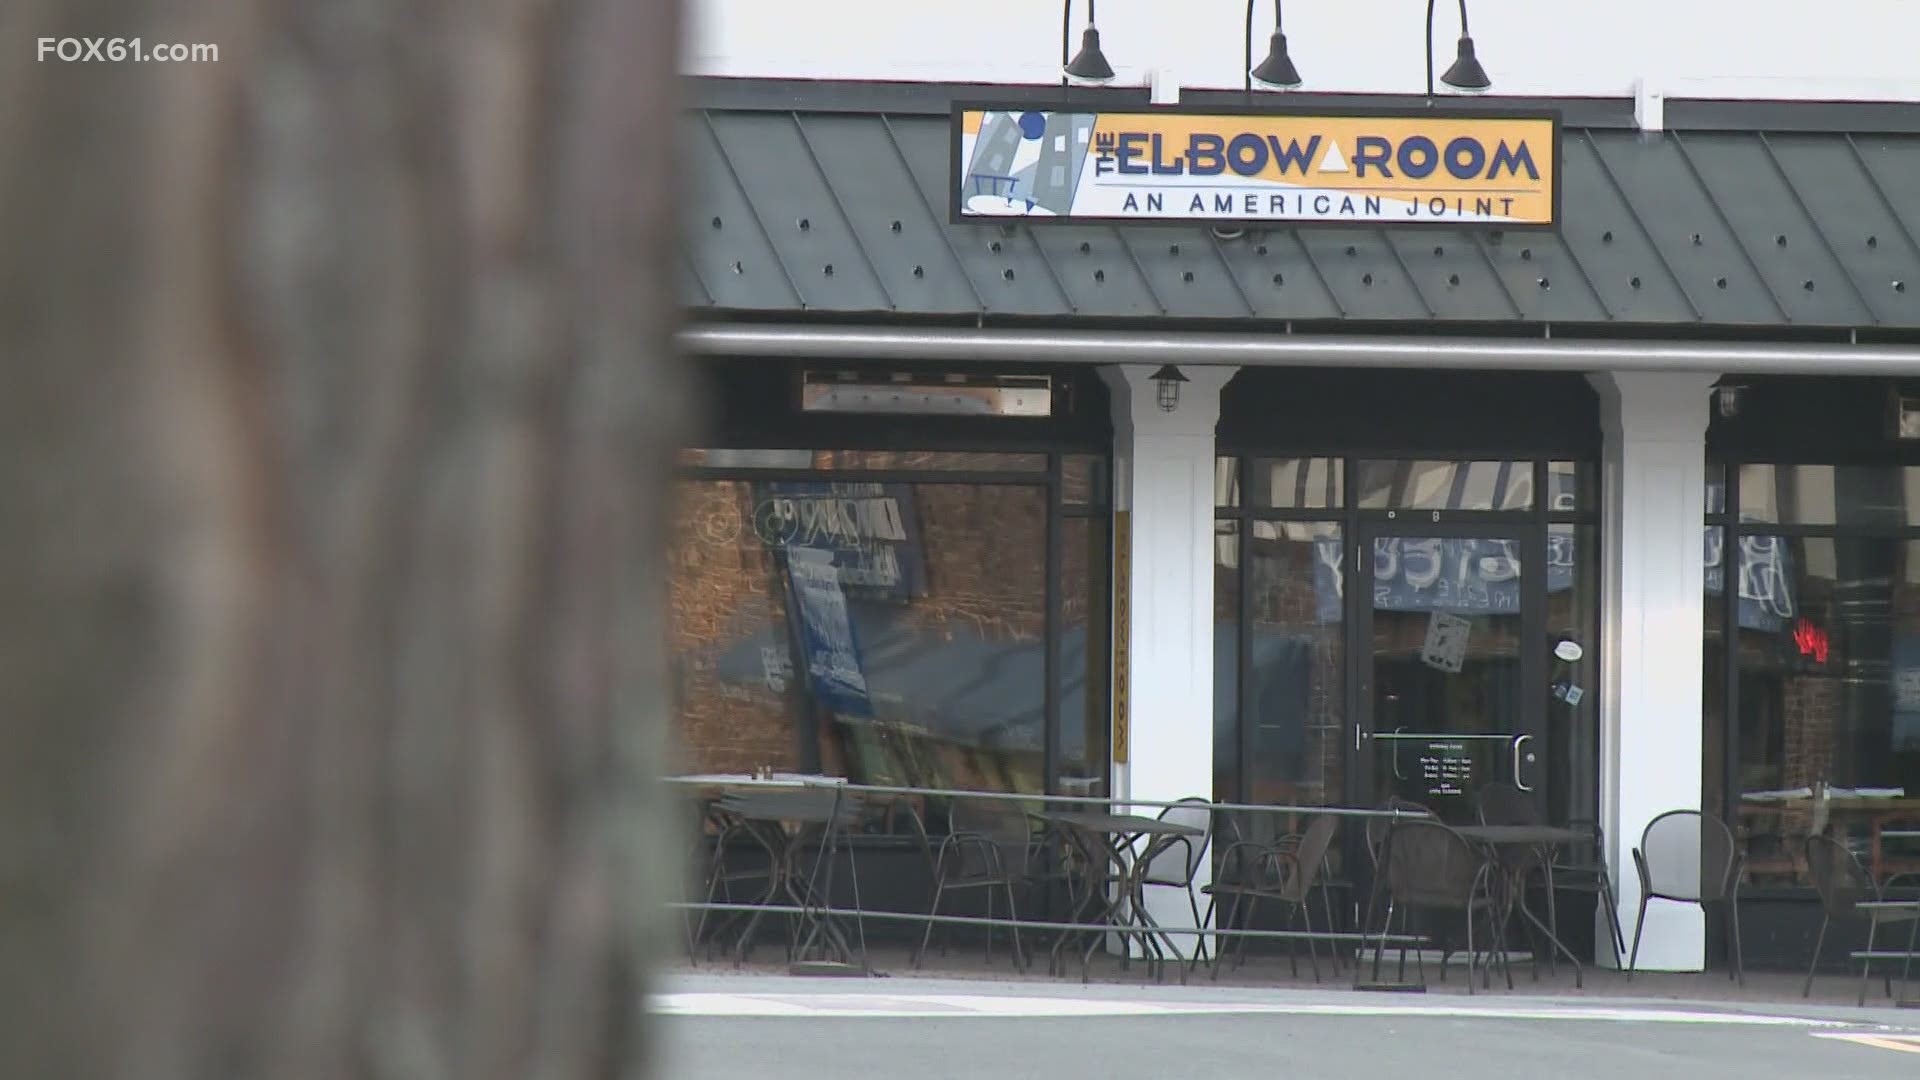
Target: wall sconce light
x: 1089, y: 65
x: 1726, y: 399
x: 1276, y: 72
x: 1166, y: 383
x: 1466, y: 73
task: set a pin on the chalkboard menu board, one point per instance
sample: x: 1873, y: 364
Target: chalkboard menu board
x: 1446, y: 766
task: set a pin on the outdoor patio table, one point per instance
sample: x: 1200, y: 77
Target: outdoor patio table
x: 1913, y: 938
x: 1542, y: 838
x: 778, y: 812
x: 1105, y: 841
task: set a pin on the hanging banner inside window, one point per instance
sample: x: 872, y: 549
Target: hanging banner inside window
x: 1253, y: 166
x: 867, y: 532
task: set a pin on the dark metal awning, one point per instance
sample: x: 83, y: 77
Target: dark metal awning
x: 845, y: 213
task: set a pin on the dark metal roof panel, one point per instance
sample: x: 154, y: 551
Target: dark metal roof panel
x: 800, y: 211
x: 1186, y: 272
x: 1611, y: 242
x: 1691, y: 235
x: 1657, y: 230
x: 1365, y: 274
x: 1096, y: 272
x: 1008, y: 270
x: 1772, y: 225
x: 1277, y: 277
x: 1454, y: 275
x: 904, y: 237
x: 728, y: 250
x: 1873, y: 230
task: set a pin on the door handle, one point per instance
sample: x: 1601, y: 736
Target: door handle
x: 1518, y: 741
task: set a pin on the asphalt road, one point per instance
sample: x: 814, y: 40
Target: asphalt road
x: 755, y: 1029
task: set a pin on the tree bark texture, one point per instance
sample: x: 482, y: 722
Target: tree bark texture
x: 333, y: 447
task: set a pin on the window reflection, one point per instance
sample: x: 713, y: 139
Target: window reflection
x: 1865, y: 495
x: 1828, y: 639
x: 1445, y: 485
x: 890, y: 633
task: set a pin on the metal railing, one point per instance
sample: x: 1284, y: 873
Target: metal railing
x: 829, y: 847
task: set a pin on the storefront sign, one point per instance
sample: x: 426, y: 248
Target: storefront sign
x: 1122, y: 621
x: 1252, y: 166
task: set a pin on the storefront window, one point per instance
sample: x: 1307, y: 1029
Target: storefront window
x: 893, y: 633
x: 1226, y: 661
x: 1314, y: 483
x: 1295, y: 706
x: 1085, y: 656
x: 1864, y: 496
x: 1573, y: 705
x: 1445, y: 485
x: 1828, y: 644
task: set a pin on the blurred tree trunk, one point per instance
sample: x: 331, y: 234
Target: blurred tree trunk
x: 333, y: 437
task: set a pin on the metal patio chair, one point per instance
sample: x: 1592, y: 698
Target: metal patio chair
x: 1173, y: 862
x: 1428, y: 866
x: 1284, y: 872
x: 989, y: 848
x: 1688, y: 857
x: 1504, y: 804
x: 1586, y: 871
x: 1844, y: 883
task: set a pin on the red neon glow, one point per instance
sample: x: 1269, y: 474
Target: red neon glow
x: 1811, y: 641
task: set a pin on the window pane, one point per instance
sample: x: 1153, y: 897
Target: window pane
x: 1864, y: 495
x: 1570, y: 487
x: 1084, y: 672
x: 890, y: 633
x: 1573, y: 614
x: 1446, y: 485
x: 1226, y: 481
x: 1716, y: 488
x: 1829, y: 701
x: 1713, y: 709
x: 949, y: 460
x: 1295, y: 711
x: 1083, y: 480
x: 1226, y: 661
x: 1315, y: 483
x: 902, y: 460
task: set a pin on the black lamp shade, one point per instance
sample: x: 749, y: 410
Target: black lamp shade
x: 1466, y: 72
x: 1090, y: 64
x: 1277, y: 69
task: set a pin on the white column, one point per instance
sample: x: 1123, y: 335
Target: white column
x: 1655, y: 425
x: 1163, y: 478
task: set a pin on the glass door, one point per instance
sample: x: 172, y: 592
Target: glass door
x: 1447, y: 628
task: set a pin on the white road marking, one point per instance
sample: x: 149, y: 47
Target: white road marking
x: 881, y: 1006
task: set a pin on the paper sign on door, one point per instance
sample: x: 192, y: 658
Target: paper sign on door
x: 1446, y: 647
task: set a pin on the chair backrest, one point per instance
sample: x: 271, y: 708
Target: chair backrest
x: 1378, y: 827
x: 1311, y: 856
x: 1173, y: 860
x: 1430, y: 865
x: 1838, y: 876
x: 1000, y: 821
x: 1504, y: 804
x: 1687, y: 855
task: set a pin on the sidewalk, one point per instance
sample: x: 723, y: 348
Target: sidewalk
x: 1268, y: 979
